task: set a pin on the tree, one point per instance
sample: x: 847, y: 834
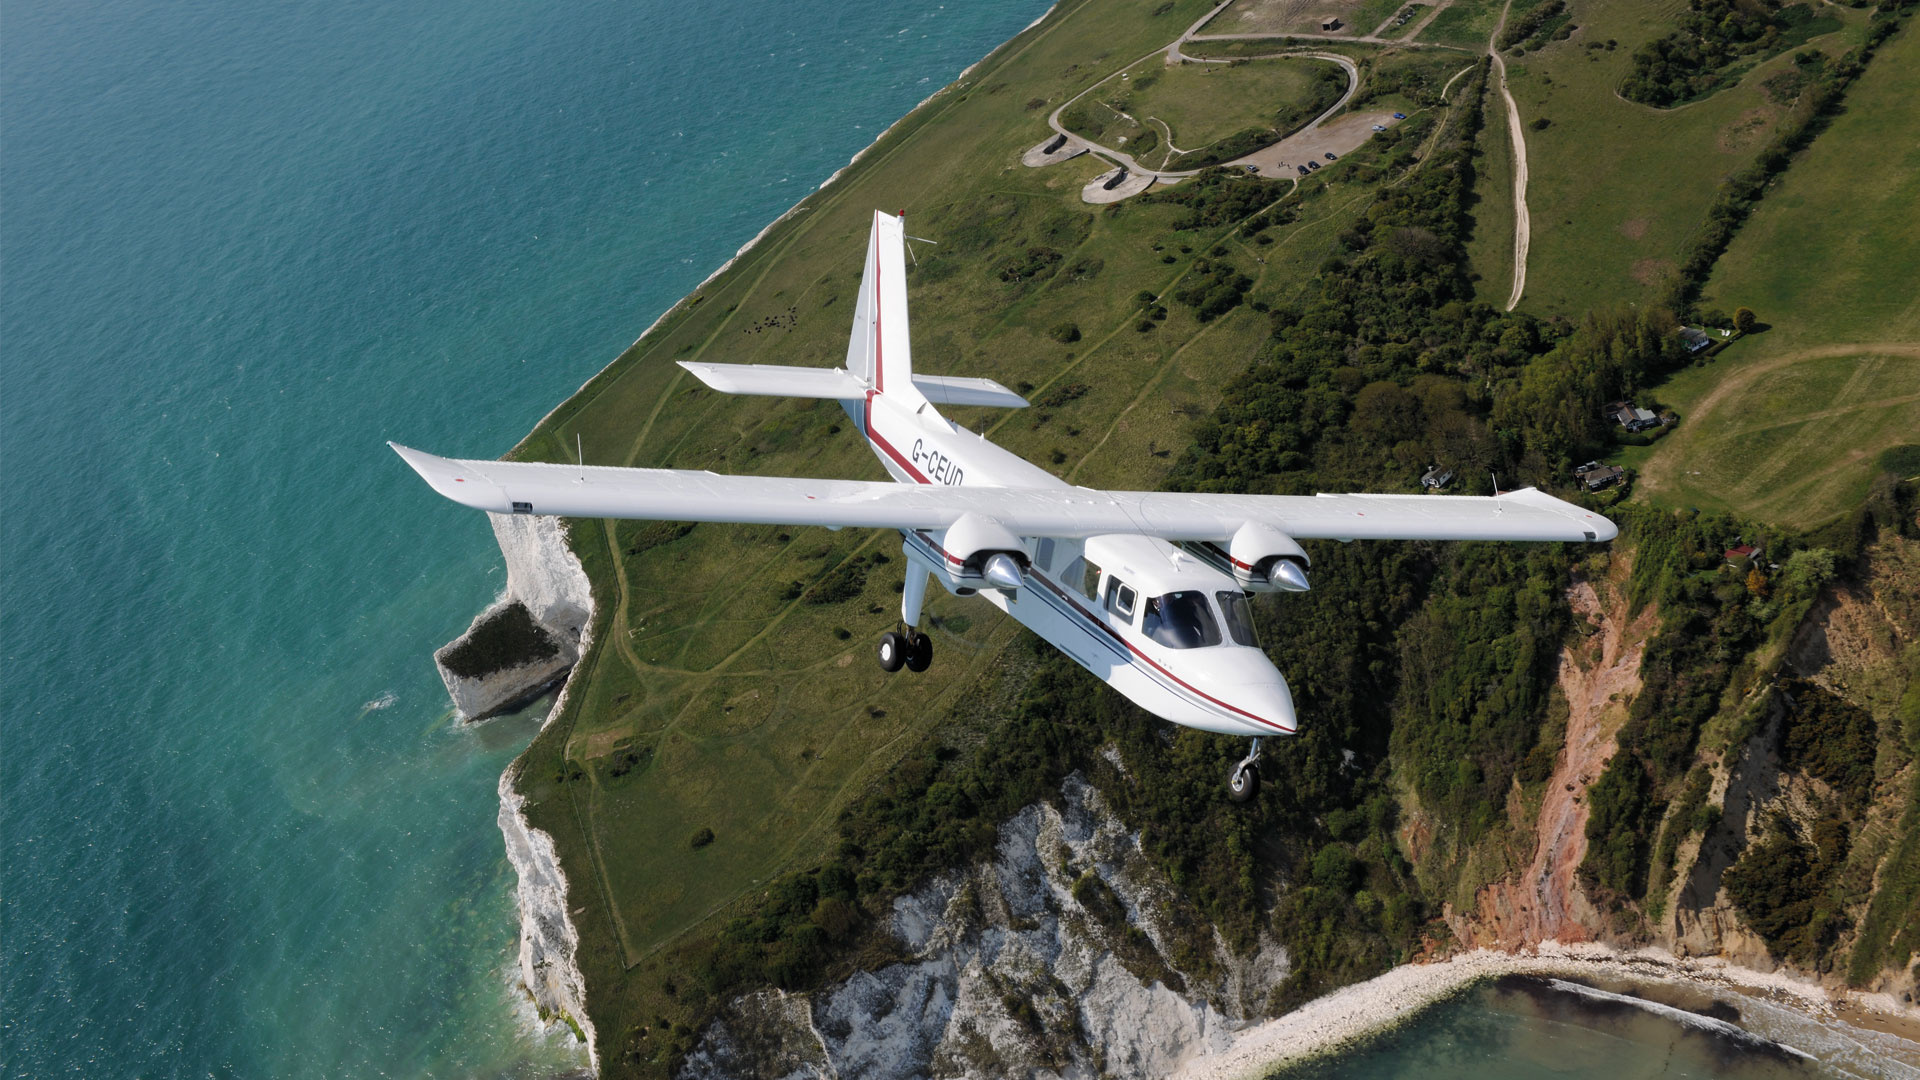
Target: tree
x: 1743, y: 320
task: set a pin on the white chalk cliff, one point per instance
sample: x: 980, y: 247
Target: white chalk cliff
x: 1054, y: 959
x: 544, y: 576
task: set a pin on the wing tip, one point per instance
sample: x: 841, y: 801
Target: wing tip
x: 445, y: 476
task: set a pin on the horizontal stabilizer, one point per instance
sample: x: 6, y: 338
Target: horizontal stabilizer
x: 774, y: 380
x: 946, y: 390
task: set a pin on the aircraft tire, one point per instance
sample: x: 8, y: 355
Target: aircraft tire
x: 1244, y: 782
x: 893, y: 651
x: 919, y: 652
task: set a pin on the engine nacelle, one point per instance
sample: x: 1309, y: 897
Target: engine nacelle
x: 986, y: 549
x: 1268, y: 560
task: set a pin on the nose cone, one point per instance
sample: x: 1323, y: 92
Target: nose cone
x: 1272, y: 702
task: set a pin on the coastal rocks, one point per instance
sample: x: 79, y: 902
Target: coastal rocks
x: 526, y: 641
x: 548, y: 941
x: 1050, y: 960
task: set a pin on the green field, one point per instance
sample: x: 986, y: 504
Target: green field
x: 1789, y: 439
x: 1490, y: 246
x: 1612, y: 216
x: 718, y: 695
x: 1785, y: 425
x: 1465, y: 24
x: 1294, y: 17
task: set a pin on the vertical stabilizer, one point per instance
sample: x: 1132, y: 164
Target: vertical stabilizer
x: 878, y: 352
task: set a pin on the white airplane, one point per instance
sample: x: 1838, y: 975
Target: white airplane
x: 1145, y: 589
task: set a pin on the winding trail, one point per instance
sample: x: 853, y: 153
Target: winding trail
x: 1522, y: 224
x: 1175, y: 56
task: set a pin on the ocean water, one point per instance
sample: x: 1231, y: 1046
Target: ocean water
x: 241, y: 245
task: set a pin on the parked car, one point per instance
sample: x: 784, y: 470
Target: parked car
x: 1313, y: 164
x: 1303, y: 169
x: 1379, y: 127
x: 1330, y: 156
x: 1399, y: 116
x: 1253, y: 168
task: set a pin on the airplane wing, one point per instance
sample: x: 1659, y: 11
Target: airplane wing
x: 505, y: 487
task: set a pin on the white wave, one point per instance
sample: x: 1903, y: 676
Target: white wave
x: 384, y: 701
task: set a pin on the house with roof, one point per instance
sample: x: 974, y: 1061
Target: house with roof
x: 1437, y: 477
x: 1695, y: 338
x: 1628, y: 416
x: 1595, y: 476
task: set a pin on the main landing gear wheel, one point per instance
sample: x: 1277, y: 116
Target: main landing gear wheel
x: 919, y: 651
x: 893, y: 651
x: 1243, y: 782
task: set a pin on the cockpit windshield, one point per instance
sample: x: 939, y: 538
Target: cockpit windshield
x: 1233, y: 605
x: 1181, y: 620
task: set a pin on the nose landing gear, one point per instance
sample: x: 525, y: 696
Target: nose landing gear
x: 1243, y: 782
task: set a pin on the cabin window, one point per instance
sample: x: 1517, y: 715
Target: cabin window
x: 1082, y: 577
x: 1181, y: 620
x: 1120, y: 598
x: 1043, y: 554
x: 1233, y: 605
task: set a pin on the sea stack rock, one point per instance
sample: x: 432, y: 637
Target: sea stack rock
x: 526, y: 641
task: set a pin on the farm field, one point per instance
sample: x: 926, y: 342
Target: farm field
x: 1785, y: 424
x: 733, y: 687
x: 1610, y: 218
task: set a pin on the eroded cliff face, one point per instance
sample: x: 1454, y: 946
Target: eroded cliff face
x: 1859, y: 642
x: 1055, y: 959
x: 1599, y: 675
x: 545, y: 577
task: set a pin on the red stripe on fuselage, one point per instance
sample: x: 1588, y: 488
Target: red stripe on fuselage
x: 1117, y: 636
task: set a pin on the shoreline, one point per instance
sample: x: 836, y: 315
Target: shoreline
x: 1354, y: 1015
x: 790, y: 211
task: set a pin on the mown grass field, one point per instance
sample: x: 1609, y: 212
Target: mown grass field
x: 1791, y: 439
x: 1785, y: 424
x: 1616, y: 190
x: 718, y: 696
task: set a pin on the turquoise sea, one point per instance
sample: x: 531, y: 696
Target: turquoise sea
x: 240, y: 246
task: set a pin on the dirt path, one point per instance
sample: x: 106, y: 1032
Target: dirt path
x: 1522, y: 224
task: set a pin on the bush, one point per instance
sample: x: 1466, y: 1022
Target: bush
x: 1066, y: 333
x: 509, y: 638
x: 701, y: 839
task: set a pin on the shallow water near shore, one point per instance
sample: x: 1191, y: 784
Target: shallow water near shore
x: 243, y: 245
x: 1522, y: 1026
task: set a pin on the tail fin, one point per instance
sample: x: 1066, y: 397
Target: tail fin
x: 879, y: 353
x: 879, y: 357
